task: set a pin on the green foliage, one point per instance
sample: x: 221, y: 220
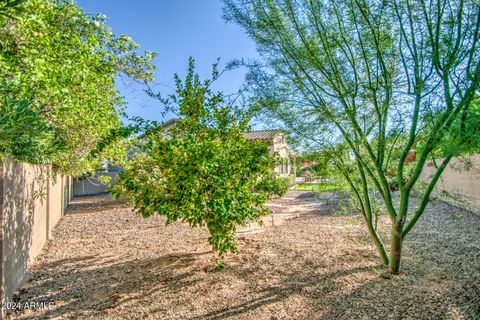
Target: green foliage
x: 24, y: 133
x: 382, y: 85
x: 67, y: 61
x: 8, y: 8
x: 202, y: 171
x: 464, y: 137
x: 277, y: 185
x: 289, y: 180
x: 324, y: 166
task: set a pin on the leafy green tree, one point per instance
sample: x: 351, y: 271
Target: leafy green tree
x: 317, y: 162
x: 7, y: 7
x: 24, y: 133
x: 67, y: 61
x: 374, y: 76
x: 202, y: 171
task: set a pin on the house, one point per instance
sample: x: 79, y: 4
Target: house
x: 276, y: 143
x: 274, y: 138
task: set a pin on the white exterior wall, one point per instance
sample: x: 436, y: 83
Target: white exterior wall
x: 281, y: 147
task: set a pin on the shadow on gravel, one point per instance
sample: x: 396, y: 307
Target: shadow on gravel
x: 82, y: 291
x: 335, y: 203
x: 440, y: 279
x: 312, y: 285
x: 305, y: 195
x: 398, y: 298
x: 91, y: 285
x: 95, y: 203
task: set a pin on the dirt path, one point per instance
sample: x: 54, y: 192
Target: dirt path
x: 106, y: 262
x: 291, y: 206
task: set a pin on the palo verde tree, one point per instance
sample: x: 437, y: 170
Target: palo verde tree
x: 62, y: 64
x: 202, y: 171
x: 372, y: 76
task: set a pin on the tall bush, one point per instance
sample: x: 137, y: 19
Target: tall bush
x: 202, y: 171
x: 66, y: 61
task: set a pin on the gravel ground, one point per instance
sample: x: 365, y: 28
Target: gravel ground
x: 105, y: 262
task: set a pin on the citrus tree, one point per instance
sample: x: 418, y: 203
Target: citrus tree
x: 202, y: 171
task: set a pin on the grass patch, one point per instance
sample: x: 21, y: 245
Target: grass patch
x: 319, y: 187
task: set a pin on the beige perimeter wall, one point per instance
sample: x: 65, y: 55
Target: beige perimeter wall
x: 461, y: 179
x: 32, y: 203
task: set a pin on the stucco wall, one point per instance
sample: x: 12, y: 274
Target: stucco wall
x: 55, y: 201
x: 32, y: 204
x: 279, y: 145
x: 461, y: 179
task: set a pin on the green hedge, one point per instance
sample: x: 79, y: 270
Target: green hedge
x: 290, y: 180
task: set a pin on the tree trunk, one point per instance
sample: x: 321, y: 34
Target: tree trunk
x: 396, y: 247
x: 381, y: 251
x: 378, y: 242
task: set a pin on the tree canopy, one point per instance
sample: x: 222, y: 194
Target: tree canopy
x: 385, y: 79
x: 203, y: 171
x: 64, y: 63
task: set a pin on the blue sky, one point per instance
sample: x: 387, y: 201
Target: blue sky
x: 176, y: 29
